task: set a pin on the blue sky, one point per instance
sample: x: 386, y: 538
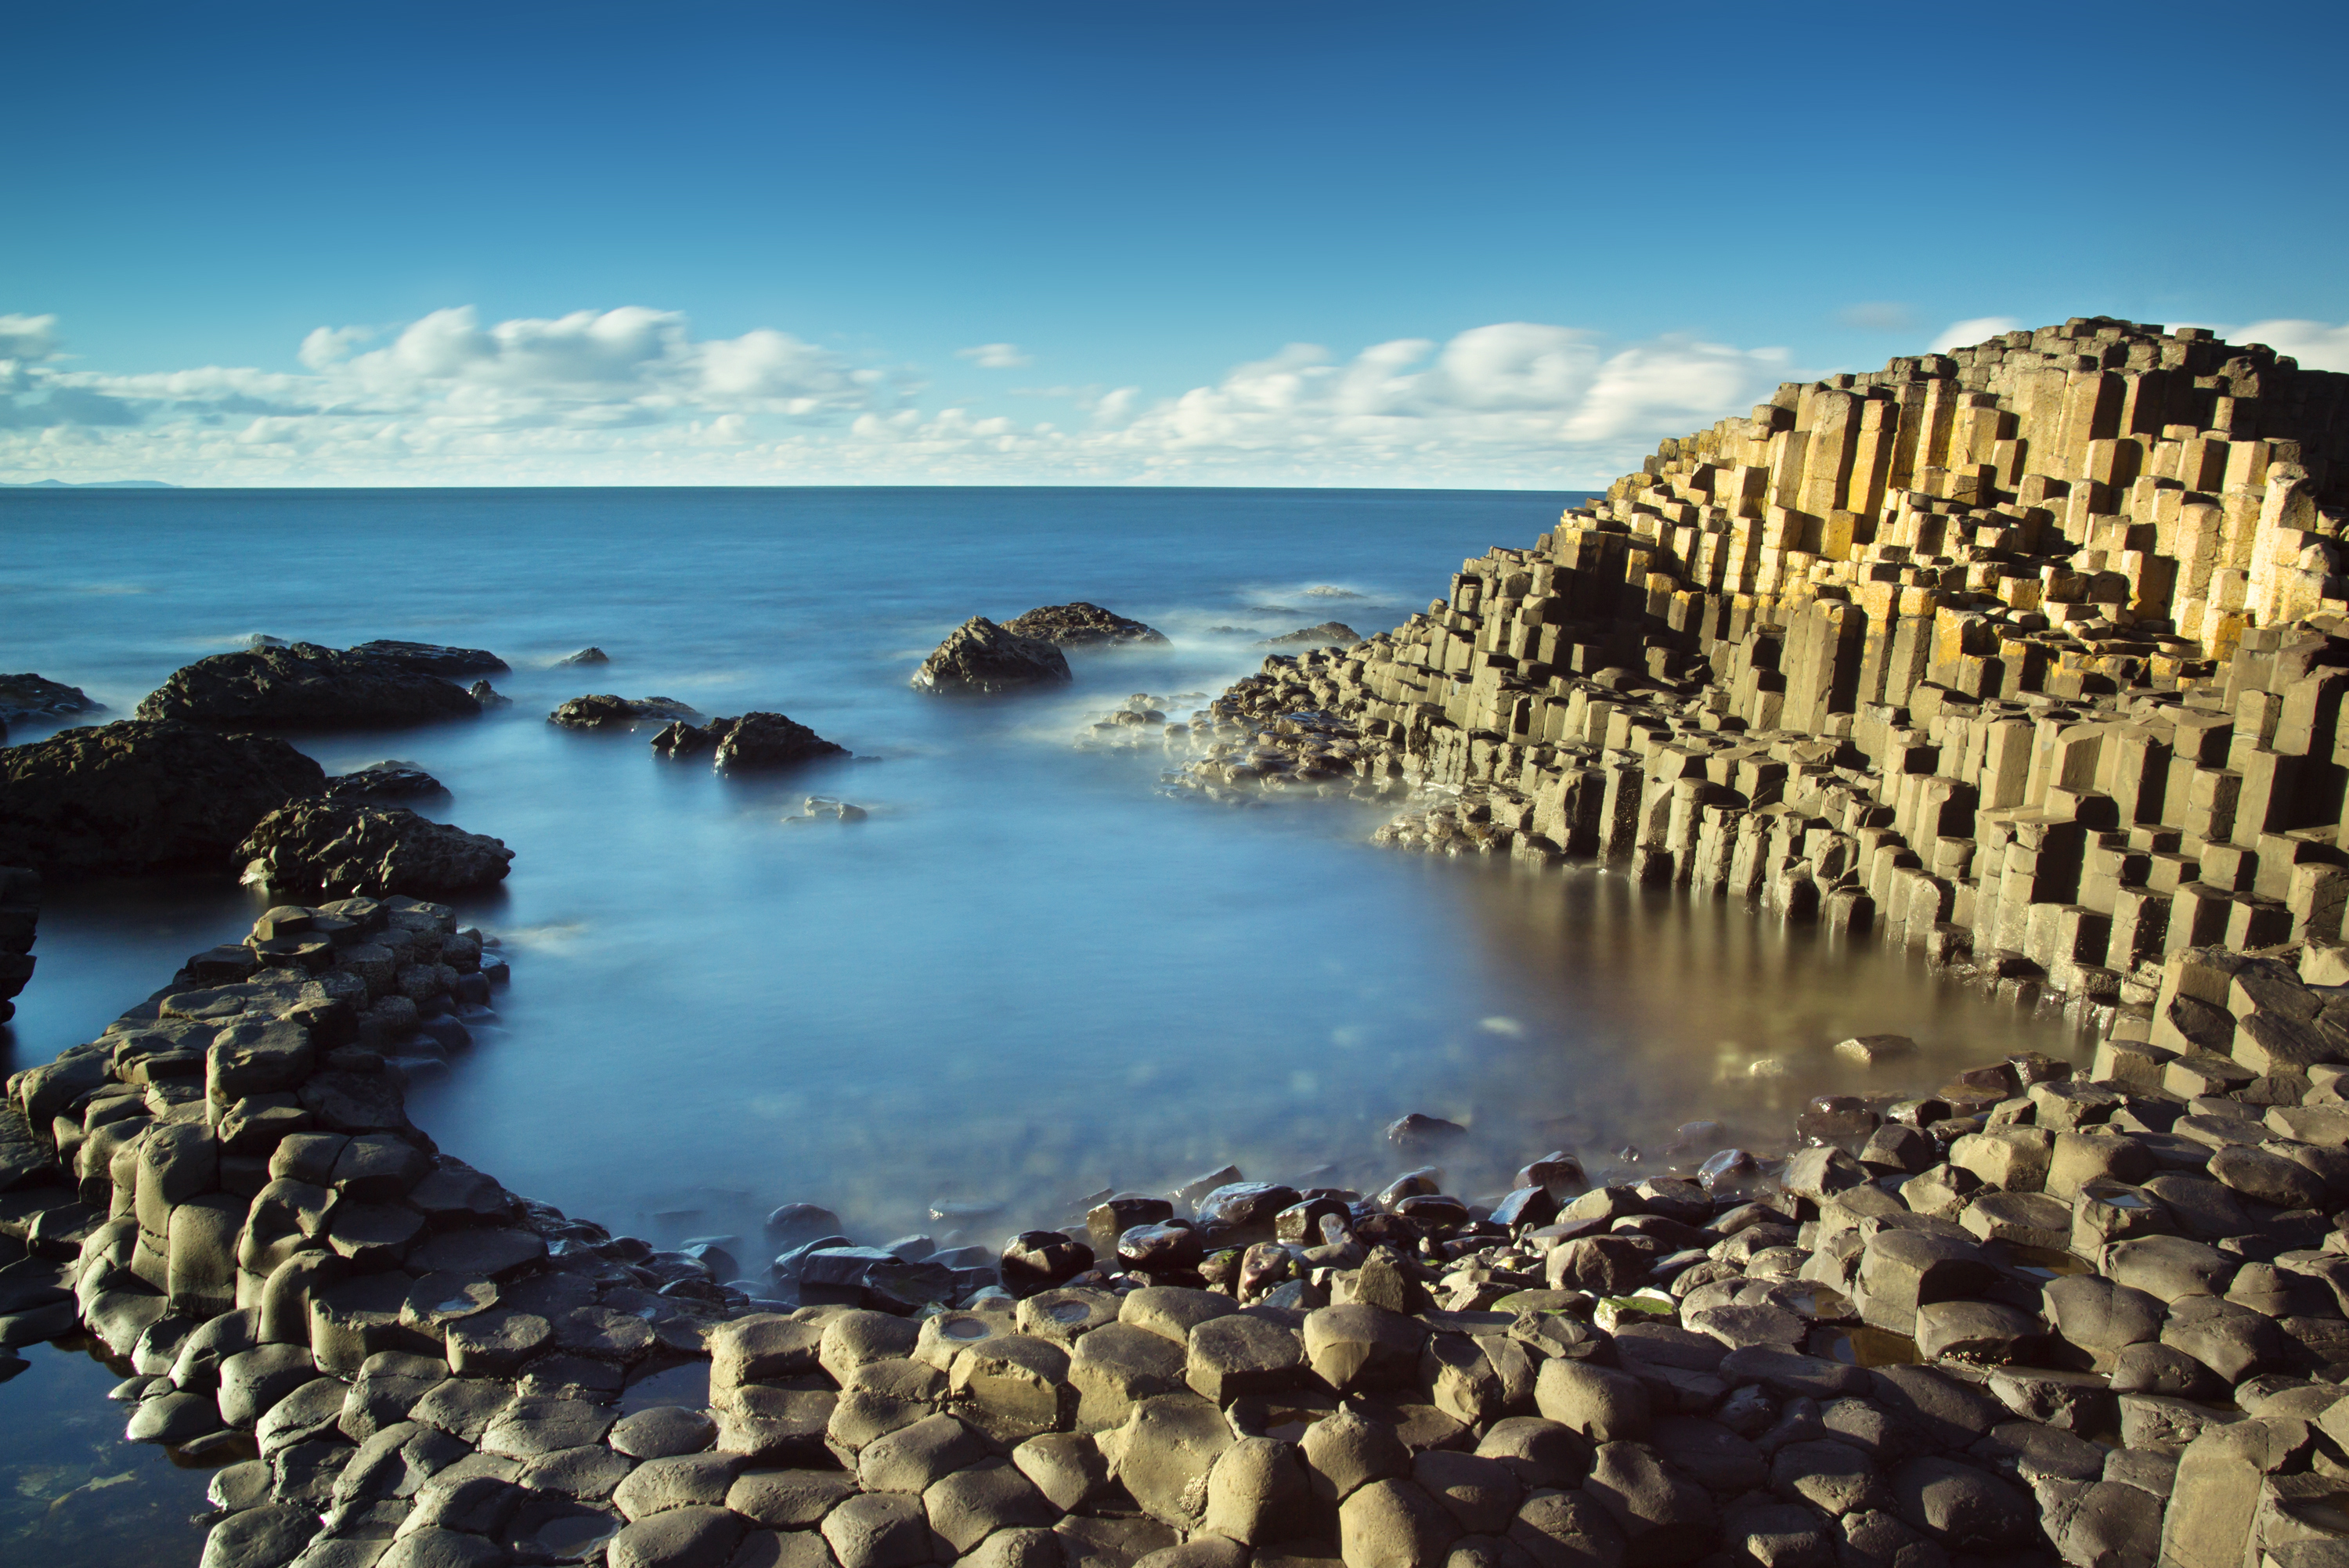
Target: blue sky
x: 1267, y: 243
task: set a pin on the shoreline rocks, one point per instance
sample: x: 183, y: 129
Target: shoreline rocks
x: 304, y: 686
x: 981, y: 658
x: 142, y: 794
x: 606, y: 711
x: 431, y: 658
x: 1329, y: 634
x: 28, y: 696
x: 1082, y: 625
x: 755, y: 740
x: 340, y: 848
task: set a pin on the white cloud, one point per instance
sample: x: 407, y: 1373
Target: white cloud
x: 1973, y: 330
x: 631, y: 396
x: 2316, y: 345
x: 28, y: 337
x: 996, y: 357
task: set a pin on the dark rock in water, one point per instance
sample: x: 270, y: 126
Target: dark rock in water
x: 29, y: 697
x: 333, y: 848
x: 432, y: 658
x: 20, y: 914
x: 797, y: 1223
x: 1081, y: 625
x: 304, y: 686
x: 140, y: 794
x: 1417, y: 1130
x: 488, y: 696
x: 981, y: 657
x: 383, y: 781
x: 605, y: 711
x: 771, y: 740
x: 586, y: 656
x: 1328, y: 634
x: 683, y: 739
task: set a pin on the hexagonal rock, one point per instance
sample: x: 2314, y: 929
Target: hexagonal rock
x: 1978, y: 1331
x: 1540, y: 1452
x: 1480, y: 1493
x: 1068, y: 1468
x: 1116, y: 1366
x: 2168, y: 1268
x: 1165, y: 1448
x: 767, y: 1345
x: 531, y: 1426
x: 1355, y: 1346
x: 914, y: 1458
x: 879, y: 1529
x: 857, y: 1337
x: 2268, y: 1177
x: 1963, y: 1507
x: 1665, y: 1518
x: 1393, y: 1524
x: 776, y: 1425
x: 1598, y: 1402
x: 788, y: 1499
x: 663, y: 1431
x: 1014, y: 1386
x: 1229, y: 1356
x: 682, y: 1481
x: 1257, y: 1492
x: 1171, y: 1312
x: 1347, y: 1450
x: 967, y: 1506
x: 1567, y: 1530
x: 677, y: 1538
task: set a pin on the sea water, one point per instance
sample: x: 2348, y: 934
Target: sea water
x: 1029, y: 973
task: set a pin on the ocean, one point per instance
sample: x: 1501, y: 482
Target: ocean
x: 1026, y: 976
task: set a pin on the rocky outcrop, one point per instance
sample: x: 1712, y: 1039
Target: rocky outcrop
x: 30, y: 697
x: 606, y: 711
x: 139, y: 795
x: 1328, y: 634
x: 586, y: 656
x: 305, y: 686
x: 755, y: 740
x: 981, y: 657
x: 431, y: 658
x: 20, y: 916
x: 338, y: 849
x: 388, y: 780
x: 1081, y: 625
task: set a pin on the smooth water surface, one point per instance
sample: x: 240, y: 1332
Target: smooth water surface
x: 1028, y: 975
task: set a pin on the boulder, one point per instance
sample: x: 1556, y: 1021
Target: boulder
x: 333, y: 848
x: 306, y: 687
x: 29, y: 697
x: 981, y: 657
x: 603, y: 710
x: 431, y: 658
x: 388, y: 780
x: 1081, y: 625
x: 771, y: 740
x: 140, y: 795
x: 1328, y: 634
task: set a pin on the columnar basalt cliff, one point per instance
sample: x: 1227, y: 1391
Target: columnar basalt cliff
x: 2028, y: 655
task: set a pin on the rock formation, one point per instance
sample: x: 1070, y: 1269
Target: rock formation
x: 30, y: 697
x: 20, y: 916
x: 304, y: 686
x: 1328, y: 634
x: 431, y: 658
x: 139, y: 795
x: 606, y: 711
x: 340, y: 848
x: 980, y: 657
x: 755, y: 740
x: 389, y: 780
x: 1081, y: 625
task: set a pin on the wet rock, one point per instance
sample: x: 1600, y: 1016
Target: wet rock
x: 304, y: 686
x: 430, y: 659
x: 264, y: 1537
x: 1034, y: 1259
x: 1328, y: 634
x: 333, y: 848
x: 136, y: 796
x: 606, y: 711
x: 28, y: 696
x: 981, y: 657
x: 771, y: 740
x: 488, y: 696
x: 1081, y: 625
x: 383, y: 781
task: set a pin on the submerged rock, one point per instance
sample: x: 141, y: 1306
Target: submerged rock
x: 334, y: 849
x: 683, y: 740
x: 606, y: 711
x: 981, y: 656
x: 488, y: 696
x: 30, y: 697
x: 771, y: 740
x: 586, y: 656
x: 388, y: 780
x: 432, y: 658
x: 304, y: 686
x: 140, y: 794
x: 20, y: 914
x: 1328, y: 634
x: 1081, y: 625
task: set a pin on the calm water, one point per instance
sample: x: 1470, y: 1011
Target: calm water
x: 1026, y: 976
